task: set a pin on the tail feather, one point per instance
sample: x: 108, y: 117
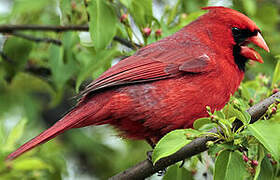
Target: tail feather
x: 67, y: 122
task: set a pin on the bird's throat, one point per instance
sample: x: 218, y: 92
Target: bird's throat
x: 239, y: 60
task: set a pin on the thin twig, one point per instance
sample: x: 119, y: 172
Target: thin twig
x: 127, y: 43
x: 145, y: 168
x: 36, y: 39
x: 13, y: 28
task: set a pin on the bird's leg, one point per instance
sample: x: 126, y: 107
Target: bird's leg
x: 149, y: 156
x: 150, y: 153
x: 149, y: 141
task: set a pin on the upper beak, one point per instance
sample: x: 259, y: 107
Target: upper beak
x: 250, y: 53
x: 259, y: 41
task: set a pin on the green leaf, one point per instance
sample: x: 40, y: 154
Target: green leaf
x: 176, y: 173
x: 31, y: 164
x: 61, y: 70
x: 127, y: 3
x: 266, y: 172
x: 220, y: 114
x: 66, y: 10
x: 21, y: 47
x: 266, y: 133
x: 201, y: 122
x: 30, y: 83
x: 173, y: 12
x: 276, y: 74
x: 172, y: 142
x: 96, y: 63
x: 191, y: 17
x: 27, y: 6
x: 230, y: 112
x: 229, y: 165
x: 103, y: 23
x: 142, y: 12
x: 261, y: 155
x: 245, y: 92
x: 2, y: 133
x: 15, y: 135
x: 250, y: 6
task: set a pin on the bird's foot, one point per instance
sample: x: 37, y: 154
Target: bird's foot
x: 149, y: 156
x: 182, y: 164
x: 161, y: 172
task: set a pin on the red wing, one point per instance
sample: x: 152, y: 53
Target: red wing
x: 144, y: 70
x: 151, y: 63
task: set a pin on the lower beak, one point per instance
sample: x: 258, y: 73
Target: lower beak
x: 250, y: 53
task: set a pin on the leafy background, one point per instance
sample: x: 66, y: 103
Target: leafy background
x: 38, y: 80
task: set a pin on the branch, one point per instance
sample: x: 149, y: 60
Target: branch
x: 36, y: 39
x: 12, y: 28
x: 127, y: 43
x: 145, y: 168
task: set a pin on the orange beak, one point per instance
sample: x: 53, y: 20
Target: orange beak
x: 250, y: 53
x: 259, y: 41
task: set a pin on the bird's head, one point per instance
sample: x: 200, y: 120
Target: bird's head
x: 239, y: 31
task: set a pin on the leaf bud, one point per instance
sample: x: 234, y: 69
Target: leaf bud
x: 254, y: 163
x: 273, y: 110
x: 146, y: 31
x: 209, y: 143
x: 245, y: 158
x: 123, y: 18
x: 275, y: 90
x: 158, y: 33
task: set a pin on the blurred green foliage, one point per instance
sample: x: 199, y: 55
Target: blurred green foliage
x: 37, y: 80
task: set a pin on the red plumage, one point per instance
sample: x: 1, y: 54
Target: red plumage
x: 168, y: 84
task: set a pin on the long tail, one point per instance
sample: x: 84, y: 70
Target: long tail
x: 71, y: 120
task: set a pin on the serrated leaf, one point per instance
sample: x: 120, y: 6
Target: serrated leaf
x: 266, y: 133
x: 172, y: 142
x: 229, y: 165
x: 102, y: 24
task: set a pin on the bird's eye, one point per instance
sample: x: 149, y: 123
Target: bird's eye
x: 236, y: 31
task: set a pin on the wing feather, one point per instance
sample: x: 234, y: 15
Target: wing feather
x: 154, y: 62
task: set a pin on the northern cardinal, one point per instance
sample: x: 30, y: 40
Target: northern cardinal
x: 167, y: 84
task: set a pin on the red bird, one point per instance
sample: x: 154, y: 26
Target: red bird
x: 167, y: 85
